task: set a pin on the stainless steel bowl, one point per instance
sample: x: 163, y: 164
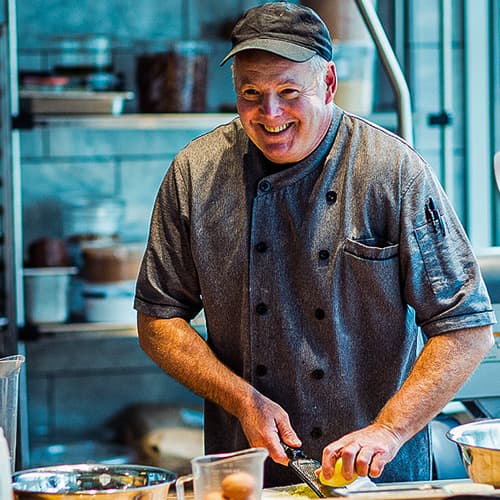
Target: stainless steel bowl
x: 479, y: 442
x: 102, y: 482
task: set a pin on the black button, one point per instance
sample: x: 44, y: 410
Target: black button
x: 317, y: 374
x: 316, y: 432
x: 319, y: 313
x: 324, y: 254
x: 261, y: 246
x: 265, y: 186
x: 261, y: 308
x: 261, y: 370
x: 331, y: 197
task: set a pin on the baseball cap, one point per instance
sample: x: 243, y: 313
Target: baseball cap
x: 291, y: 31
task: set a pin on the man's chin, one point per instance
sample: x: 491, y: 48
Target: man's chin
x: 277, y: 154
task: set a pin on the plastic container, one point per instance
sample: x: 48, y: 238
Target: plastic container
x: 353, y: 53
x: 355, y: 63
x: 10, y: 368
x: 111, y: 263
x: 342, y: 17
x: 46, y: 294
x: 173, y: 79
x: 111, y: 302
x: 223, y: 474
x: 89, y: 217
x: 48, y: 252
x: 81, y: 54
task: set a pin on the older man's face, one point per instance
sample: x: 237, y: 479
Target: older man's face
x: 285, y: 107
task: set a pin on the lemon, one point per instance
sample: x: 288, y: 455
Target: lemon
x: 337, y: 480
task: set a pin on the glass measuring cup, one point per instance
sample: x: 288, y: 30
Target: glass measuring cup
x: 238, y: 475
x: 10, y: 367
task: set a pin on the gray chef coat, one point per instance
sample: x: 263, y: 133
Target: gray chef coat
x: 316, y: 281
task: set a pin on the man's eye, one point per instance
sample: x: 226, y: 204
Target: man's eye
x: 250, y: 94
x: 289, y: 93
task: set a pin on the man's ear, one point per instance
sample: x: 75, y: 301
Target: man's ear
x: 331, y: 82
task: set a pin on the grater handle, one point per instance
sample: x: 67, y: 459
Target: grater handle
x: 293, y: 453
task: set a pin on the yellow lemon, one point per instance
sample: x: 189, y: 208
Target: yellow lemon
x: 337, y: 480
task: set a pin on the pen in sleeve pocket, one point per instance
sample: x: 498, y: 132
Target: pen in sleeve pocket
x: 432, y: 215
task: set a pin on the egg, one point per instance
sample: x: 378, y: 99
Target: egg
x: 238, y: 486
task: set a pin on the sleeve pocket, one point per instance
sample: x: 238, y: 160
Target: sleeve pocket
x: 441, y: 264
x: 371, y: 249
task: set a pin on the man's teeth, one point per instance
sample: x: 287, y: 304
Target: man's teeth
x: 276, y: 129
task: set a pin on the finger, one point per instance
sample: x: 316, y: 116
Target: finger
x: 348, y: 462
x: 287, y: 434
x: 328, y: 459
x: 363, y: 461
x: 276, y: 452
x: 377, y: 465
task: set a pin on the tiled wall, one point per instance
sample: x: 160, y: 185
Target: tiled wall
x: 128, y: 164
x: 131, y: 163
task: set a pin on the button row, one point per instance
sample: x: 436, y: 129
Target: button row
x: 262, y: 247
x: 262, y: 309
x: 265, y: 186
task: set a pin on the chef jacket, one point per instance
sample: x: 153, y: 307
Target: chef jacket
x: 316, y: 280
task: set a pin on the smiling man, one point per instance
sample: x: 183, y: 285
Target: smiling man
x: 284, y: 106
x: 325, y: 254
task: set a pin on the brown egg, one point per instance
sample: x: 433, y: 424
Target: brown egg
x: 238, y: 486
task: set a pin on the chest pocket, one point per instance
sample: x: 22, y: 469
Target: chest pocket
x: 371, y: 249
x: 370, y: 271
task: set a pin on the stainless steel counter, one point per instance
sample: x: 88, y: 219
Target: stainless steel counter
x: 432, y: 490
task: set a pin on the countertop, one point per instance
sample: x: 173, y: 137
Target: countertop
x: 432, y: 490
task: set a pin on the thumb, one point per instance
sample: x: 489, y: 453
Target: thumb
x: 288, y: 435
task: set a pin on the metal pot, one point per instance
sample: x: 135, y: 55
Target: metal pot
x: 102, y: 482
x: 479, y: 442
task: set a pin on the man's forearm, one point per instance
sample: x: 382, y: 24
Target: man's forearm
x: 178, y: 349
x: 445, y: 363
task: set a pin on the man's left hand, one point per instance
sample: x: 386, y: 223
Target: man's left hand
x: 365, y: 451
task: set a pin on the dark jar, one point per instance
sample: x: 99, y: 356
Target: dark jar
x: 175, y: 80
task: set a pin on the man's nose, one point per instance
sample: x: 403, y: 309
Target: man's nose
x: 271, y: 104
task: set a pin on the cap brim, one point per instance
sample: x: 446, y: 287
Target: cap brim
x: 281, y: 48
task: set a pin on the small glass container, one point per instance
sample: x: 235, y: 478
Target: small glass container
x: 82, y: 54
x: 173, y: 79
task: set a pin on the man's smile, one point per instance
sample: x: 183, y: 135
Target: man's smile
x: 275, y: 130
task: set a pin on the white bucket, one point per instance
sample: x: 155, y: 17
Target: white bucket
x: 46, y: 294
x: 110, y: 302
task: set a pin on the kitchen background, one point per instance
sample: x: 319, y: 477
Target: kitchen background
x: 81, y: 379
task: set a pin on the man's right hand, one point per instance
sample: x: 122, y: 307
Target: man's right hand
x: 184, y: 355
x: 266, y: 424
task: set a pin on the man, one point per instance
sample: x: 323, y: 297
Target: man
x: 320, y: 247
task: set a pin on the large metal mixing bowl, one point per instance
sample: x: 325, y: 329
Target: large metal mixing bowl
x: 102, y: 482
x: 479, y: 442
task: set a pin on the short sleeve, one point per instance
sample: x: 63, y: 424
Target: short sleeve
x: 167, y: 284
x: 441, y: 276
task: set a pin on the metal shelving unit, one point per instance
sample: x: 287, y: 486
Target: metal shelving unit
x: 11, y: 283
x: 170, y: 121
x: 10, y: 210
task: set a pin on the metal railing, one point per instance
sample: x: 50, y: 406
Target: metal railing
x: 392, y: 68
